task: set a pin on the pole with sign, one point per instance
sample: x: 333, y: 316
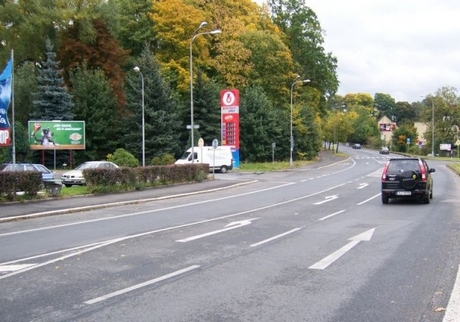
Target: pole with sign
x: 215, y: 144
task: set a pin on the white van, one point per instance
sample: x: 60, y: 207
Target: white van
x: 220, y: 159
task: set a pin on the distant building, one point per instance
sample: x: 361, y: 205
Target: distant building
x: 386, y: 127
x: 421, y: 129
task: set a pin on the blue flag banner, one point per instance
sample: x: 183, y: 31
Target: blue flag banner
x: 5, y: 98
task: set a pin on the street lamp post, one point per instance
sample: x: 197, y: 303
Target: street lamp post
x: 292, y: 137
x: 432, y: 126
x: 138, y: 70
x: 195, y: 34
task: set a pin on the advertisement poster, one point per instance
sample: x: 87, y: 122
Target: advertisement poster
x: 56, y: 135
x: 230, y: 122
x: 5, y: 98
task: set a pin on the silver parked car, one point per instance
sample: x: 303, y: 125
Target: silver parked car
x: 75, y: 177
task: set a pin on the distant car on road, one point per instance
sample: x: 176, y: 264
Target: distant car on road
x: 47, y: 175
x: 75, y: 177
x: 356, y: 146
x: 384, y: 150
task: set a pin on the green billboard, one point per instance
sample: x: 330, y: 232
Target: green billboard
x: 56, y: 135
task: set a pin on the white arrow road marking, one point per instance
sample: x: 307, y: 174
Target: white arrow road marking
x: 327, y: 199
x: 328, y: 260
x: 13, y: 268
x: 230, y: 226
x: 362, y: 185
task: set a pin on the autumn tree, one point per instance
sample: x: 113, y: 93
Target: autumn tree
x: 103, y: 52
x: 135, y: 28
x: 304, y: 37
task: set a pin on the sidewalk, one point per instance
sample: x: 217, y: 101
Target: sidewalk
x: 55, y: 206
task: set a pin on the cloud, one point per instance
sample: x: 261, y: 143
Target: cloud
x: 402, y: 48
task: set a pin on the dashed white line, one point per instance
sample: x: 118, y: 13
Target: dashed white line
x: 137, y: 286
x: 331, y: 215
x: 275, y: 237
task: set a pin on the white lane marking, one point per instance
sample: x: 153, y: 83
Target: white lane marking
x: 326, y: 199
x: 453, y: 307
x: 331, y: 215
x: 362, y: 185
x: 102, y: 244
x: 145, y: 212
x: 369, y: 199
x: 328, y: 260
x: 230, y: 226
x: 144, y: 284
x: 13, y: 268
x: 63, y: 257
x: 275, y: 237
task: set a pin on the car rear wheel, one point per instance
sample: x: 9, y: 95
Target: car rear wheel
x: 426, y: 199
x: 223, y: 169
x: 385, y: 199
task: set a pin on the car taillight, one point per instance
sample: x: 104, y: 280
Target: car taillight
x: 385, y: 169
x: 422, y: 171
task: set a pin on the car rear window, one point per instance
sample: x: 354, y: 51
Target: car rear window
x: 403, y: 165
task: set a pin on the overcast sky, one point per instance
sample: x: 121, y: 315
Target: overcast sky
x: 404, y: 48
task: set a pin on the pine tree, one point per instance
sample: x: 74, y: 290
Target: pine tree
x: 95, y: 104
x: 206, y: 110
x: 162, y: 125
x: 52, y: 101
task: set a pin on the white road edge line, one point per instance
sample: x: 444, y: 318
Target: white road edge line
x: 453, y: 307
x: 331, y: 215
x: 147, y: 283
x: 275, y: 237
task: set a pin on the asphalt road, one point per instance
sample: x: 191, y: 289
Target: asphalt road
x: 314, y: 244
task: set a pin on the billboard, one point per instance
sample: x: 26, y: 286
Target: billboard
x: 230, y: 122
x: 56, y: 135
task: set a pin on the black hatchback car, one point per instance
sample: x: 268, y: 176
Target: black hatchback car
x: 407, y: 178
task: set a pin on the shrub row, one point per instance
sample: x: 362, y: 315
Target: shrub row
x: 11, y: 182
x: 125, y: 178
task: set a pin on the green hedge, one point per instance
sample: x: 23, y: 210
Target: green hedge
x: 12, y: 182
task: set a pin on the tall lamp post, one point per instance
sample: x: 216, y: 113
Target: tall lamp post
x: 432, y: 126
x: 292, y: 137
x: 196, y: 34
x: 138, y: 70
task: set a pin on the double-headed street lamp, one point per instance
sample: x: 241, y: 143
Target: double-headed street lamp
x: 138, y: 70
x: 195, y: 34
x: 292, y: 137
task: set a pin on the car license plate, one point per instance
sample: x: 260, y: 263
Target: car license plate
x: 403, y: 193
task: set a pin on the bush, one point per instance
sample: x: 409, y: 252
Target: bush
x: 164, y: 159
x: 123, y: 158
